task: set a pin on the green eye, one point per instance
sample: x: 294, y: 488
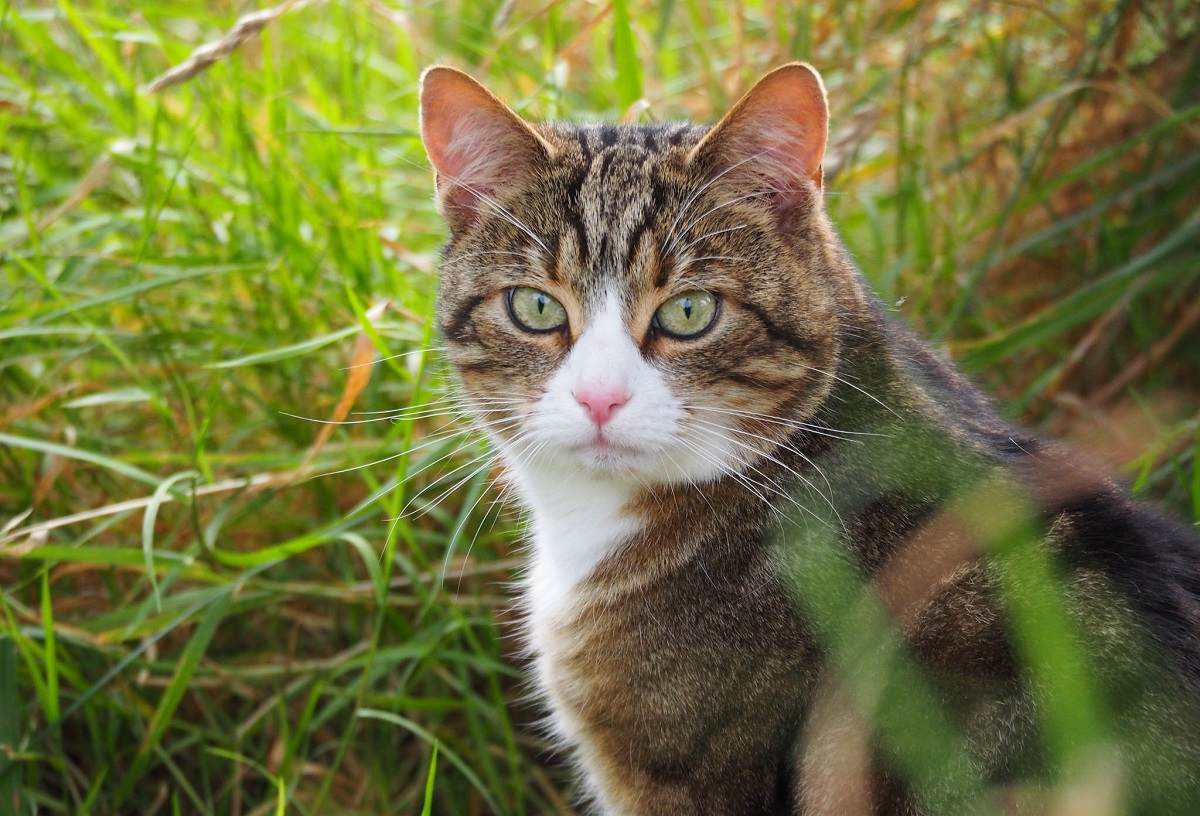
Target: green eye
x: 687, y: 315
x: 535, y: 311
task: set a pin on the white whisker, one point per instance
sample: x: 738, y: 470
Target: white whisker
x: 765, y: 483
x: 735, y: 258
x: 406, y: 452
x: 828, y: 497
x: 708, y: 235
x: 851, y: 385
x: 414, y: 352
x: 441, y: 497
x: 726, y: 203
x: 672, y: 237
x: 832, y: 433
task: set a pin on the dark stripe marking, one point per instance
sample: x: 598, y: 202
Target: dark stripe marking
x: 456, y: 328
x: 804, y: 345
x: 636, y: 237
x: 758, y: 382
x: 552, y: 274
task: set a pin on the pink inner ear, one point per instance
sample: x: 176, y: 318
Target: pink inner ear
x: 476, y: 144
x: 466, y: 143
x: 774, y: 137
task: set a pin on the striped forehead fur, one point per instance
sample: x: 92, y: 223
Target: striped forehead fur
x: 618, y: 187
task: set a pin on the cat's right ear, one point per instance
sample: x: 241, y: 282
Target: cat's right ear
x: 475, y: 143
x: 774, y: 138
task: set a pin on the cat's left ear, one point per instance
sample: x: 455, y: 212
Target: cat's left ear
x: 774, y: 138
x: 480, y: 149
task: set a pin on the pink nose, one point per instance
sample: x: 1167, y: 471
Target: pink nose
x: 601, y: 403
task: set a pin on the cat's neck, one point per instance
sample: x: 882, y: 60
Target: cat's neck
x: 578, y: 519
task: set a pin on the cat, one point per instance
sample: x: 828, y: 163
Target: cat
x: 780, y: 547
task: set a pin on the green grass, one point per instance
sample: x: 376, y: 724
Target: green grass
x: 195, y: 620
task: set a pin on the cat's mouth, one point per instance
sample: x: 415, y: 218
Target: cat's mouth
x: 604, y: 453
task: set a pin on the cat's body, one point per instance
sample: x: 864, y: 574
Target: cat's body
x: 699, y: 402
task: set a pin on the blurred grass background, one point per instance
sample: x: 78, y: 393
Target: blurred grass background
x: 191, y: 623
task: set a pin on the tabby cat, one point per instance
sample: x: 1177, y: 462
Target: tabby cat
x: 778, y: 544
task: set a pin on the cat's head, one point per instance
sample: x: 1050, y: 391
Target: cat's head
x: 658, y: 303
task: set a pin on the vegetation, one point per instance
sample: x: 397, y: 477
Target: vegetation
x: 211, y: 602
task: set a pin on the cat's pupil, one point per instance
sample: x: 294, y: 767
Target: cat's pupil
x: 541, y: 304
x: 687, y: 308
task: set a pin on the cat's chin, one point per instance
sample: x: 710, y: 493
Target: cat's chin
x: 603, y: 461
x: 642, y: 466
x: 604, y: 457
x: 629, y: 459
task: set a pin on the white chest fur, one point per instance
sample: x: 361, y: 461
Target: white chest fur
x: 578, y: 520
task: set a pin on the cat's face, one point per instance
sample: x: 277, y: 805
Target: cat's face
x: 642, y: 303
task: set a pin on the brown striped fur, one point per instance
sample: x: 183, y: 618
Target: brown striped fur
x: 688, y: 669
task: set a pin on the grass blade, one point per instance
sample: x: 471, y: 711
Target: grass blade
x: 160, y: 494
x: 455, y: 759
x: 68, y: 452
x: 625, y: 56
x: 427, y: 810
x: 49, y: 652
x: 10, y: 727
x: 213, y: 613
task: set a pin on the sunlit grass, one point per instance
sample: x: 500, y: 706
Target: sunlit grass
x: 195, y: 619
